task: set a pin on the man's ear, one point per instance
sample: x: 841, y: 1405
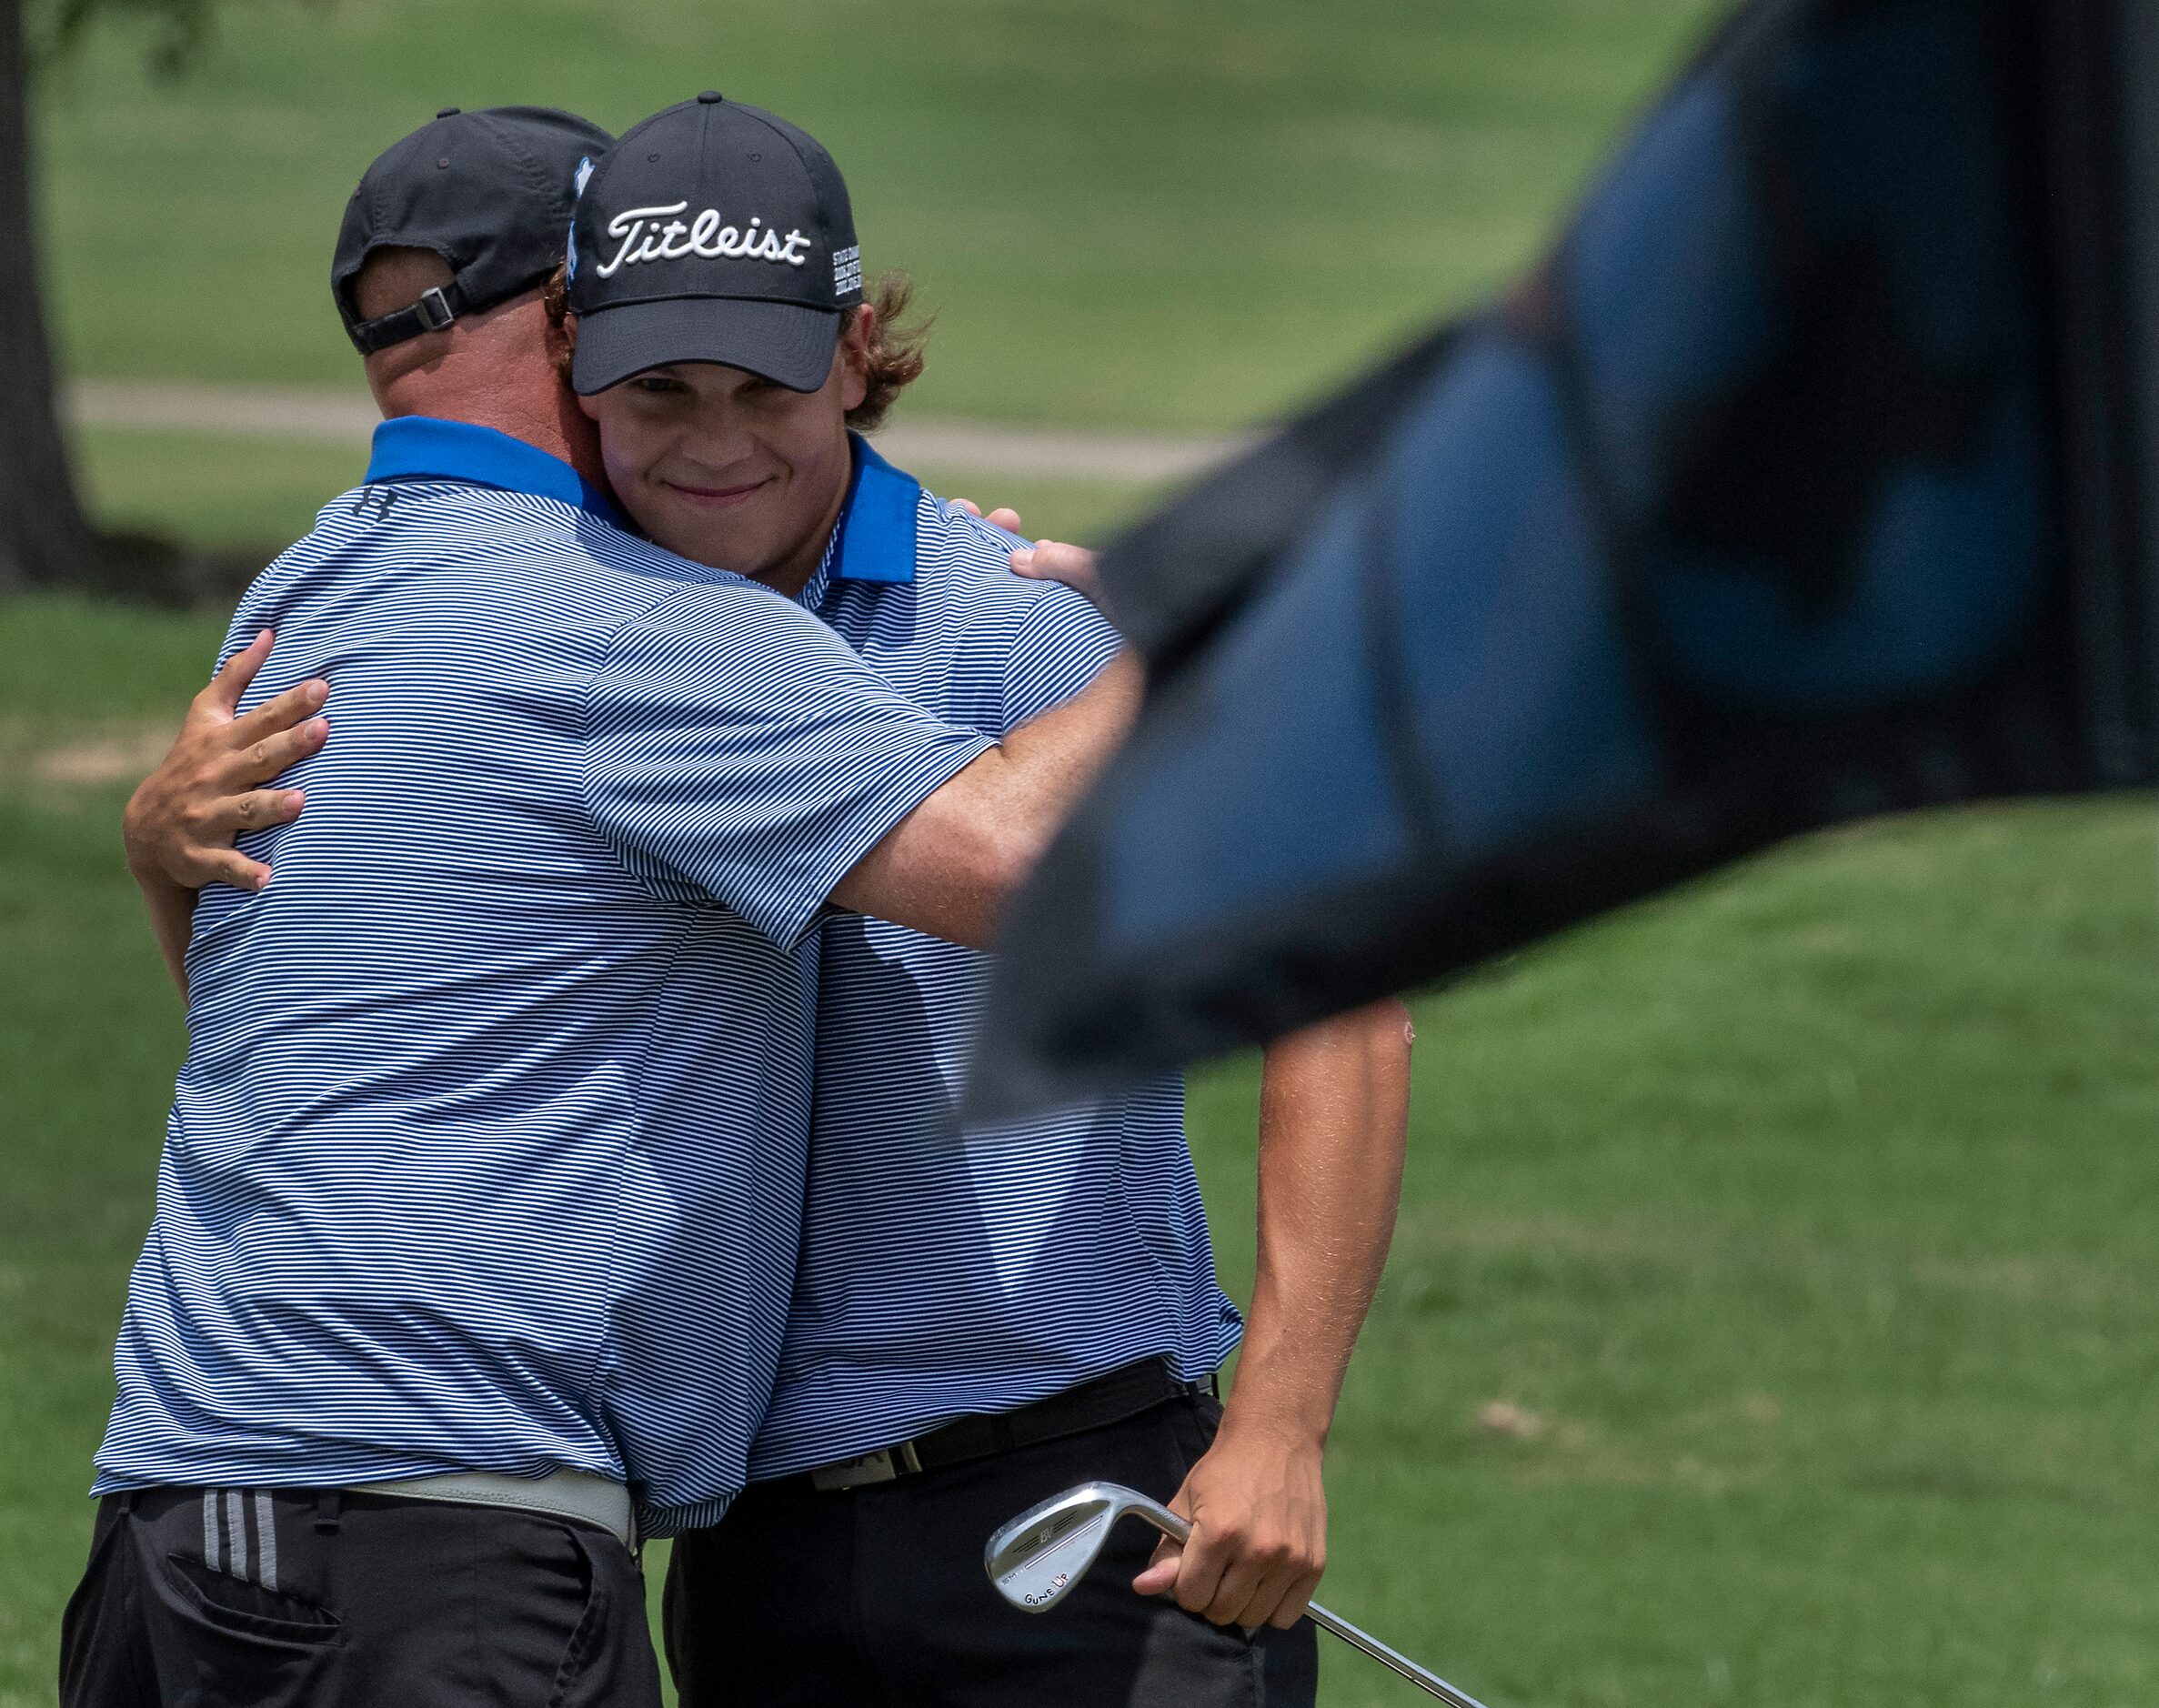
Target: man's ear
x: 854, y: 356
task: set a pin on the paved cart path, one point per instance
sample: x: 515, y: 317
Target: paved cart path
x: 969, y: 446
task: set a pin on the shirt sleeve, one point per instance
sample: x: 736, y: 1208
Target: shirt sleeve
x: 1063, y: 646
x: 736, y: 749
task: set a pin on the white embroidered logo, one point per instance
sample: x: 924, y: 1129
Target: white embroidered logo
x: 646, y: 238
x: 846, y: 270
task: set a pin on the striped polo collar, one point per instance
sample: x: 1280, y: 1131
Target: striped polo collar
x: 428, y: 447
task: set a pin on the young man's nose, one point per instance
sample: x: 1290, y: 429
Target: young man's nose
x: 720, y: 440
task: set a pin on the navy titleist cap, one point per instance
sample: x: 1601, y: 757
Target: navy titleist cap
x: 489, y: 192
x: 712, y: 232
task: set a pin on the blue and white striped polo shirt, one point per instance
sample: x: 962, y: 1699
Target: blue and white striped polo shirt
x: 488, y: 1151
x: 946, y: 1271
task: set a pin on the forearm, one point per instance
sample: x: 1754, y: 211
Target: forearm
x: 1333, y: 1108
x: 1055, y: 758
x: 949, y: 867
x: 1333, y: 1115
x: 172, y: 920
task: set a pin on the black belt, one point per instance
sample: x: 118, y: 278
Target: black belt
x: 1092, y: 1405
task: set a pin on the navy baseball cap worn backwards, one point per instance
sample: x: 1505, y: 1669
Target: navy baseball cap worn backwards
x: 712, y: 232
x: 489, y: 192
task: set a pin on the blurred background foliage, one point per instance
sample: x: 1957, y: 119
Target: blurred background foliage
x: 1124, y: 211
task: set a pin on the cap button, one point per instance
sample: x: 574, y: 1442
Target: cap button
x: 711, y: 96
x: 449, y: 112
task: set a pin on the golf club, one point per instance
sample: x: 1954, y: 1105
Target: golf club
x: 1036, y: 1559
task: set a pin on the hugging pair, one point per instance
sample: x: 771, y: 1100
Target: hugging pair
x: 566, y: 1151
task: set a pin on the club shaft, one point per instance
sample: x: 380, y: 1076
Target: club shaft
x: 1429, y: 1681
x: 1179, y: 1530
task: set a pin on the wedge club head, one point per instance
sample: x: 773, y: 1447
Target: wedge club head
x: 1035, y: 1559
x: 1038, y: 1559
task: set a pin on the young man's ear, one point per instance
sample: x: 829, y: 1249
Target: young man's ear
x: 854, y: 356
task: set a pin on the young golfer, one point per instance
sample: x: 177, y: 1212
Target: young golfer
x: 979, y: 1317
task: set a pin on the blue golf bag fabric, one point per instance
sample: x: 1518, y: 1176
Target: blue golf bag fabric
x: 1800, y: 484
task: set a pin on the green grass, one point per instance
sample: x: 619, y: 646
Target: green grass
x: 1088, y: 512
x: 90, y: 1037
x: 1805, y: 1218
x: 1182, y: 212
x: 1811, y: 1211
x: 211, y: 489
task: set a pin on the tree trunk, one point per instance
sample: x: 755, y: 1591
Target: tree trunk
x: 45, y: 538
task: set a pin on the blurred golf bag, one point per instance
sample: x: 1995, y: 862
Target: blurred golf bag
x: 1812, y: 478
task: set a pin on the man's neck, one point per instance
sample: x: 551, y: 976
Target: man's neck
x: 550, y: 422
x: 792, y: 574
x: 495, y: 370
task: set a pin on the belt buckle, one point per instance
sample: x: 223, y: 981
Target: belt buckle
x: 885, y: 1465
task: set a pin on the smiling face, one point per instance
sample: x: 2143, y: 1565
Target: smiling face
x: 727, y: 469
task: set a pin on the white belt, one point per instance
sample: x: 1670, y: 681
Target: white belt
x: 572, y: 1494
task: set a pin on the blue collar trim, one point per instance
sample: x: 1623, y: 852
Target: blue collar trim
x: 877, y: 528
x: 427, y: 448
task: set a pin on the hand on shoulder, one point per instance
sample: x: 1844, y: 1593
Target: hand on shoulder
x: 1046, y: 559
x: 1053, y: 560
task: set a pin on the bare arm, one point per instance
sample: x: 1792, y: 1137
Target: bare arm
x: 172, y: 922
x: 180, y: 823
x: 950, y: 866
x: 1333, y: 1117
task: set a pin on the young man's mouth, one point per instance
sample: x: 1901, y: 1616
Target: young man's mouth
x: 716, y: 497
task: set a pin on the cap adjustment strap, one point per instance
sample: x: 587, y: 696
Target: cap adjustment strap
x: 438, y: 305
x: 434, y: 308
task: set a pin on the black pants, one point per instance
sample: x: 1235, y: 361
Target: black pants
x: 201, y: 1598
x: 875, y: 1597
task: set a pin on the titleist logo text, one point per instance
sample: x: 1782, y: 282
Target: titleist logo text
x: 645, y: 237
